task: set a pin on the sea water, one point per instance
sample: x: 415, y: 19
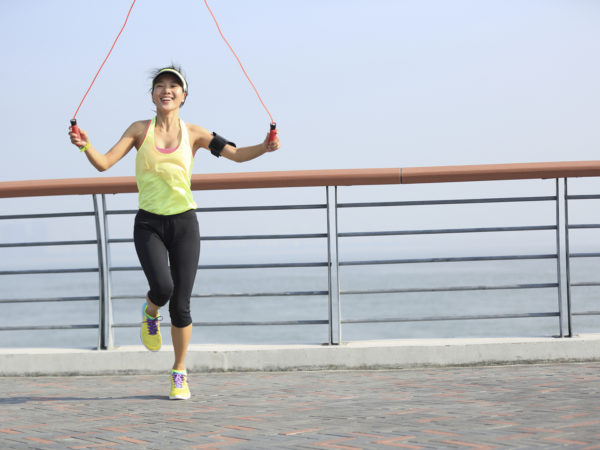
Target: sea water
x: 212, y: 310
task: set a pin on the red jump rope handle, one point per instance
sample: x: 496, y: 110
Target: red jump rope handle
x: 75, y: 128
x: 272, y: 132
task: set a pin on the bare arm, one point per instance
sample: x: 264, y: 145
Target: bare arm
x: 131, y: 137
x: 201, y: 138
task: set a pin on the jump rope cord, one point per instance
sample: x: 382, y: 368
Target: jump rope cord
x: 220, y: 32
x: 105, y: 59
x: 239, y: 62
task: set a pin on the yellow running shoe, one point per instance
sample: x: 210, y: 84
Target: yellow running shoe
x: 150, y: 333
x: 179, y: 387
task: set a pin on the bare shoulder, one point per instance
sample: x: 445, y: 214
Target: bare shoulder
x: 199, y: 135
x: 137, y: 128
x: 136, y: 132
x: 197, y: 130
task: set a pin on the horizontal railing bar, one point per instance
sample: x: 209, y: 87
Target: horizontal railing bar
x: 50, y: 327
x: 446, y: 231
x: 235, y: 294
x: 583, y: 197
x: 586, y: 313
x: 262, y: 266
x: 47, y: 271
x: 586, y: 283
x: 46, y: 216
x: 113, y: 212
x: 278, y: 323
x: 448, y: 259
x: 46, y: 244
x: 444, y: 318
x: 265, y: 236
x: 451, y: 289
x: 262, y: 294
x: 120, y: 241
x: 583, y: 226
x: 234, y: 266
x: 447, y: 202
x: 235, y: 324
x: 234, y: 208
x: 240, y: 238
x: 357, y: 234
x: 54, y: 299
x: 261, y: 208
x: 584, y: 255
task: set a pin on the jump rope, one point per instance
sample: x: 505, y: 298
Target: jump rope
x: 272, y: 127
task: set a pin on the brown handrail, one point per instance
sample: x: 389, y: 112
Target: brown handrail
x: 245, y: 180
x: 489, y: 172
x: 304, y: 178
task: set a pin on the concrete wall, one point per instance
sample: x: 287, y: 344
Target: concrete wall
x: 355, y: 355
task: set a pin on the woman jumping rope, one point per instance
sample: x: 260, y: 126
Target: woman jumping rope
x: 166, y: 234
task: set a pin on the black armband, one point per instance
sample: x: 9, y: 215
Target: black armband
x: 217, y: 144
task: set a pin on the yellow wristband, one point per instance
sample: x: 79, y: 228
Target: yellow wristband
x: 85, y: 147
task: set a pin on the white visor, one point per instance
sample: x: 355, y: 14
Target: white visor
x: 174, y: 72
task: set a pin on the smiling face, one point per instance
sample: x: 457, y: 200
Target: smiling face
x: 167, y: 92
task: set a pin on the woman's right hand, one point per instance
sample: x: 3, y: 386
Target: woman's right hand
x: 78, y: 140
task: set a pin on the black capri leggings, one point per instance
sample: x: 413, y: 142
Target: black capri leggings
x: 169, y: 248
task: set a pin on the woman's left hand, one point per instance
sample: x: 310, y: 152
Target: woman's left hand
x: 273, y: 145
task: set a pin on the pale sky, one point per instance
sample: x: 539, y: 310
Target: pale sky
x: 351, y: 84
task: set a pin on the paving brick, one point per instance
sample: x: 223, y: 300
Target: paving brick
x: 523, y: 406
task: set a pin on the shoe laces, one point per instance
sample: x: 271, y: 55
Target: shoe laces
x: 153, y: 325
x: 178, y: 379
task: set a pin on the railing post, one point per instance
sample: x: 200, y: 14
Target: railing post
x: 558, y: 257
x: 109, y: 313
x: 101, y: 279
x: 568, y: 261
x: 337, y: 270
x: 333, y: 264
x: 329, y: 270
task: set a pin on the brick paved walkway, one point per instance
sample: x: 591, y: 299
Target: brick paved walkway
x: 550, y: 406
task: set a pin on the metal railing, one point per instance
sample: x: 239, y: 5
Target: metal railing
x: 331, y: 238
x: 556, y: 283
x: 100, y: 298
x: 248, y: 294
x: 574, y: 256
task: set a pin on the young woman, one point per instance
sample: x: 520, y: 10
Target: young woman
x: 166, y: 235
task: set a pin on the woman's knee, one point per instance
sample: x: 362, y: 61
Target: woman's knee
x: 160, y: 293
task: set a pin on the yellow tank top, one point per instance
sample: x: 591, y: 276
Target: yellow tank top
x: 164, y: 175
